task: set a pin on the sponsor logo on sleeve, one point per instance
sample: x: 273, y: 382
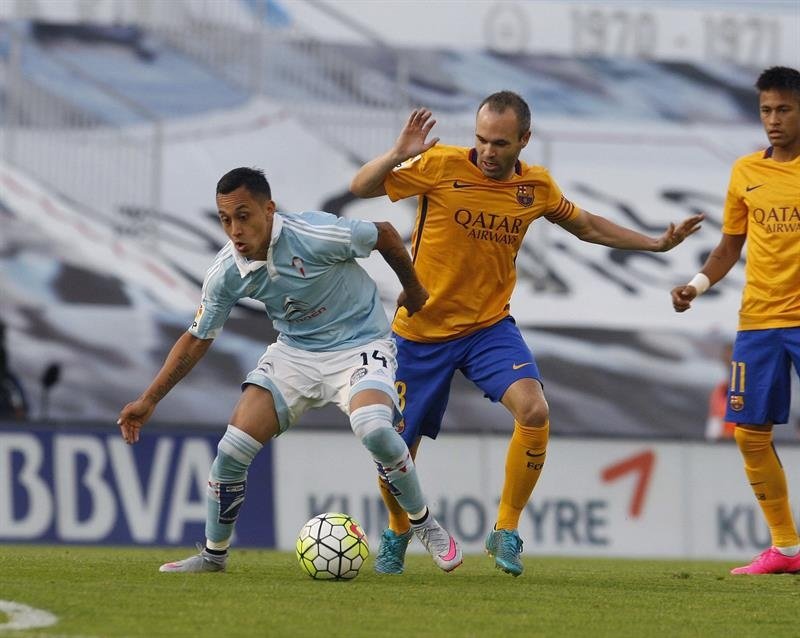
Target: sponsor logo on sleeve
x: 197, y: 316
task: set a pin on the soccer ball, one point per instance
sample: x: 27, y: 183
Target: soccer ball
x: 332, y: 546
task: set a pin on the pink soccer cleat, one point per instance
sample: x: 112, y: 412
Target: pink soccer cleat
x: 771, y: 561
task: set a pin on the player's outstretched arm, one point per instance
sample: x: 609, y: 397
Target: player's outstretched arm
x: 186, y: 352
x: 719, y: 262
x: 368, y: 181
x: 599, y: 230
x: 674, y: 235
x: 390, y: 246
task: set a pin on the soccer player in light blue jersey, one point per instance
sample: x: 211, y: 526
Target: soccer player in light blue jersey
x: 334, y: 346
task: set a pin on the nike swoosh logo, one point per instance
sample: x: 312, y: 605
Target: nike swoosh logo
x: 458, y: 184
x: 531, y: 453
x: 236, y: 502
x: 451, y: 551
x: 752, y: 188
x: 517, y: 366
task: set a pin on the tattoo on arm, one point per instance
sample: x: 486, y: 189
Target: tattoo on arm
x: 390, y: 246
x: 184, y: 363
x: 400, y: 262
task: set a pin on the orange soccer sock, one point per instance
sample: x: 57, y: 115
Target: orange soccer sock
x: 768, y: 480
x: 524, y: 462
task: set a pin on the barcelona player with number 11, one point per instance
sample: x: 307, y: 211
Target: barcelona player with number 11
x: 762, y: 208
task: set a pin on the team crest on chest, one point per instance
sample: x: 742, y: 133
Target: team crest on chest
x: 299, y: 266
x: 525, y: 195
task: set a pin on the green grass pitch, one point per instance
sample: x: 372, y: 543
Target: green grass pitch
x: 99, y: 592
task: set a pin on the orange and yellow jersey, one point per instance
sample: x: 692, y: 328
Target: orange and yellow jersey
x: 468, y: 231
x: 763, y: 202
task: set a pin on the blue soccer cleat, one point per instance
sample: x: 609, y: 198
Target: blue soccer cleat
x: 392, y: 552
x: 506, y: 546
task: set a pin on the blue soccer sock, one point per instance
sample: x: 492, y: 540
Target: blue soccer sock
x: 227, y: 483
x: 372, y: 424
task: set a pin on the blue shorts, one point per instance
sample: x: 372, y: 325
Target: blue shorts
x: 492, y: 358
x: 760, y: 389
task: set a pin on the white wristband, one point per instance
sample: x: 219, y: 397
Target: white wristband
x: 700, y: 282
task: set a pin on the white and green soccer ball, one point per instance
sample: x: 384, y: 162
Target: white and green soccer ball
x: 332, y: 546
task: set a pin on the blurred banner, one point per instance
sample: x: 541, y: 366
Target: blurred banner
x: 79, y: 484
x: 626, y: 497
x: 747, y: 33
x: 595, y: 497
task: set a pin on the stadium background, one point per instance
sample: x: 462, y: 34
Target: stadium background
x: 118, y: 118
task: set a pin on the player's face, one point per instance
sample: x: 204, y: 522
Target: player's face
x: 498, y: 142
x: 780, y: 114
x: 247, y: 221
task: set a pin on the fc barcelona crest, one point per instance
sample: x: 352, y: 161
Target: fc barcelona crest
x: 525, y: 195
x: 737, y: 402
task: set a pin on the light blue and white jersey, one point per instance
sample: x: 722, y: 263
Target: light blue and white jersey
x: 317, y: 296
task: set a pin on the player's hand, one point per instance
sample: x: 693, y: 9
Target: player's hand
x: 412, y: 139
x: 413, y: 299
x: 132, y: 417
x: 674, y: 235
x: 682, y: 297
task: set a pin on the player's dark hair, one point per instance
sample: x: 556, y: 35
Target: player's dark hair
x: 252, y: 179
x: 502, y: 100
x: 779, y: 78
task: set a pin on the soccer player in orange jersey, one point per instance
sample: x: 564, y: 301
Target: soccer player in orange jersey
x: 475, y: 205
x: 763, y: 208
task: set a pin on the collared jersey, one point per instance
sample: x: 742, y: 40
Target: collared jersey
x: 318, y: 297
x: 468, y: 231
x: 763, y: 202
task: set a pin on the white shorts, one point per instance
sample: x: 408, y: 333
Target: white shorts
x: 300, y: 380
